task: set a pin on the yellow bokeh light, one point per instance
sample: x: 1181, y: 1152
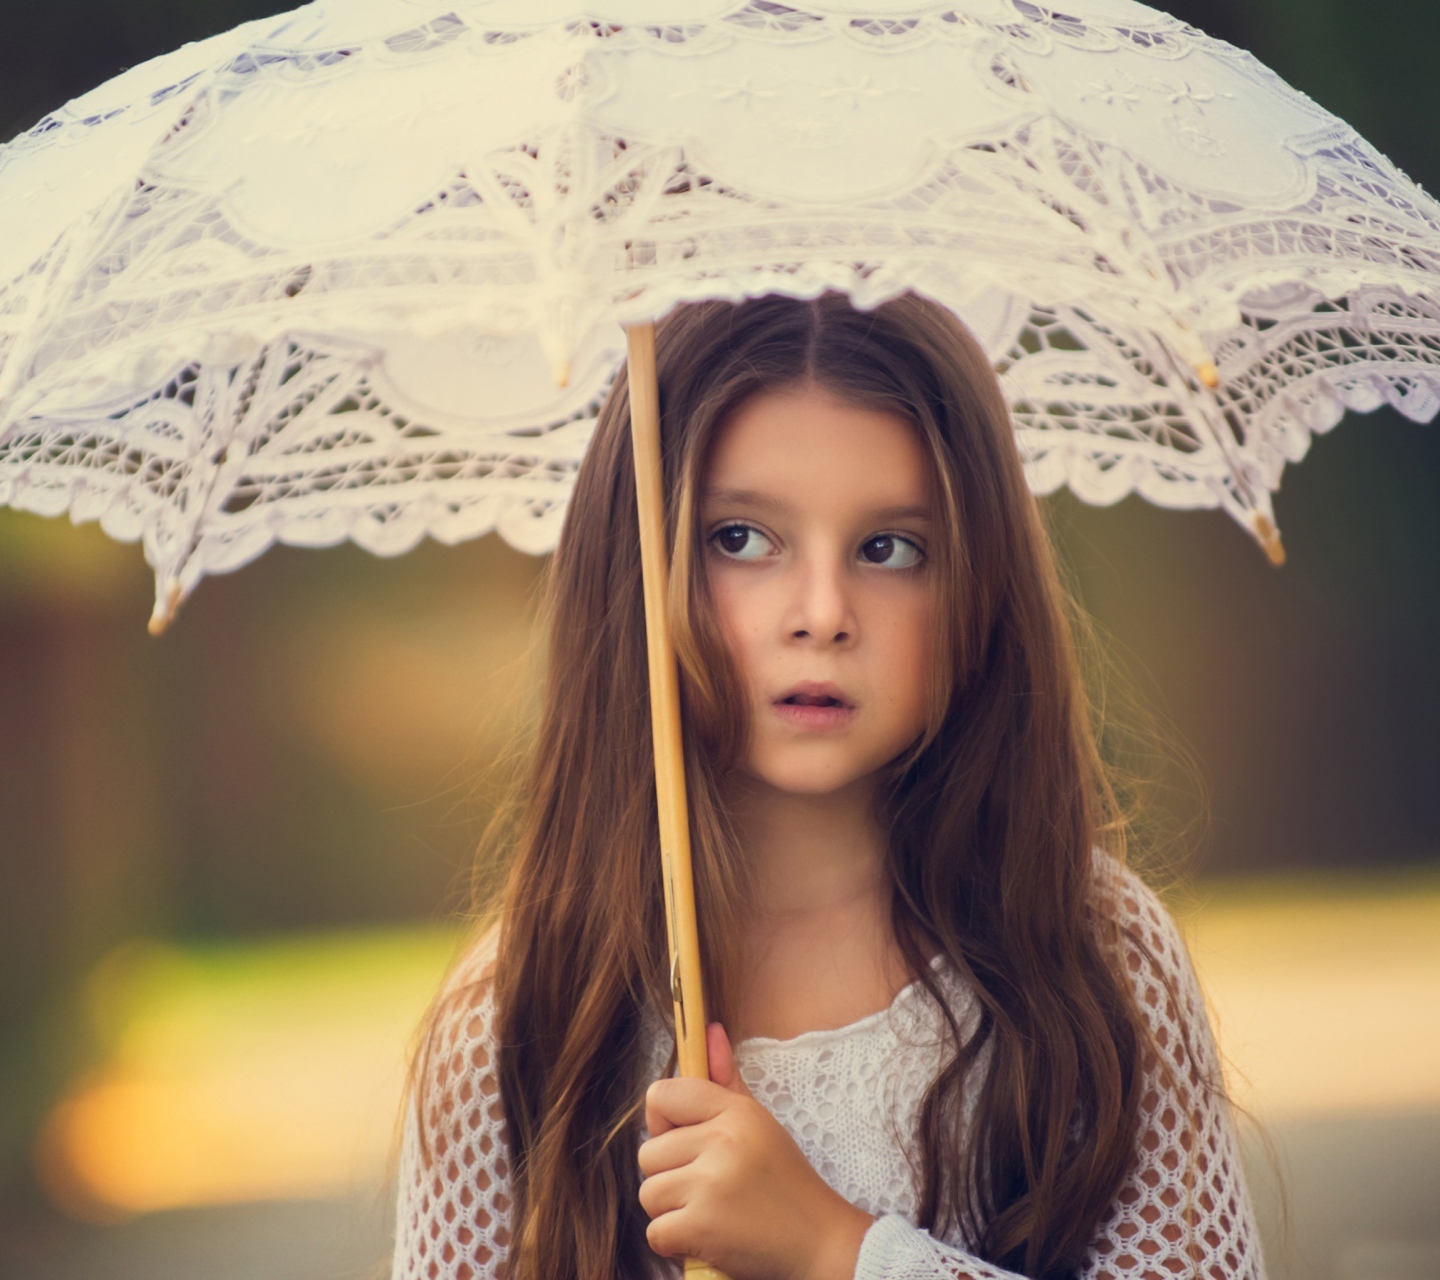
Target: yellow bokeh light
x: 270, y: 1072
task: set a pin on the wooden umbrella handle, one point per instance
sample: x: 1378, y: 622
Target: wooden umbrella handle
x: 680, y: 925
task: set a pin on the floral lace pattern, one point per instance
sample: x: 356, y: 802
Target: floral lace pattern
x: 849, y: 1099
x: 318, y: 278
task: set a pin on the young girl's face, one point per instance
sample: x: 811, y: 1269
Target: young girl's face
x: 817, y: 516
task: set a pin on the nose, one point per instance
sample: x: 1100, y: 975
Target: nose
x: 821, y: 610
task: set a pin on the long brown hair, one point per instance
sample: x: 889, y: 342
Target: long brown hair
x: 994, y: 816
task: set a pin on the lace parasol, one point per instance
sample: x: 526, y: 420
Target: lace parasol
x: 360, y: 271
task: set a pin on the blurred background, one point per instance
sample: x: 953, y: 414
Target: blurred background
x: 232, y: 857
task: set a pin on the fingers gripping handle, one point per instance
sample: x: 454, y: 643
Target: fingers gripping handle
x: 665, y: 724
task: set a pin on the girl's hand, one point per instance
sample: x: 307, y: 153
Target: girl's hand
x: 726, y: 1184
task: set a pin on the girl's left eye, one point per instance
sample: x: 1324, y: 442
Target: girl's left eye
x: 891, y: 551
x: 742, y: 542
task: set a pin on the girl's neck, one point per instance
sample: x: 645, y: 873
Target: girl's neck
x: 810, y: 853
x: 819, y: 946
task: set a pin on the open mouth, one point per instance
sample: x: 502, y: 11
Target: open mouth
x: 812, y: 700
x: 813, y: 704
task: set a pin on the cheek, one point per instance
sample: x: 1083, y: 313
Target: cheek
x: 738, y: 613
x: 909, y: 658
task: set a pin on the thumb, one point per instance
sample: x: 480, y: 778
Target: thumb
x: 723, y: 1070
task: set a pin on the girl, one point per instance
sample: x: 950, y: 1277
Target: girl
x: 967, y: 1043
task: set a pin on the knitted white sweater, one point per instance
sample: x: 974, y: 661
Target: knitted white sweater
x: 849, y: 1098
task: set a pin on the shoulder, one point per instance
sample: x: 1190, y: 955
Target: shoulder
x: 1151, y: 952
x: 475, y: 966
x: 1129, y: 909
x: 457, y: 1064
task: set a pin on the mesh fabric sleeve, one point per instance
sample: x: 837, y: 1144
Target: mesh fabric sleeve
x: 453, y: 1201
x: 1184, y: 1210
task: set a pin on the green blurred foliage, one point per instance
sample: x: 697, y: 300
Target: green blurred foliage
x: 261, y: 768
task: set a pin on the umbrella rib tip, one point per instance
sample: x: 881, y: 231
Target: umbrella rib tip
x: 165, y: 610
x: 1269, y: 538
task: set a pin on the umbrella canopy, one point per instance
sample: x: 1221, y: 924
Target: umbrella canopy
x: 361, y: 270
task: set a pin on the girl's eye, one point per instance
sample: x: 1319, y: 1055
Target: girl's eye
x: 891, y: 551
x: 741, y: 542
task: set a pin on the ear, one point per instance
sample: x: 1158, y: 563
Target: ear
x: 723, y: 1070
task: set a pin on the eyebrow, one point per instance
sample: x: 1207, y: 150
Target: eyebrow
x: 905, y: 513
x: 740, y: 498
x: 765, y: 501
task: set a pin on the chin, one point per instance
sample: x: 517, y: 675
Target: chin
x: 808, y: 777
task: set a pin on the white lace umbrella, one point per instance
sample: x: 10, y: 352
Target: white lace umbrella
x: 362, y: 270
x: 308, y: 280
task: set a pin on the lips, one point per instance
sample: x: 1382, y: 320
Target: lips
x: 812, y: 705
x: 811, y: 693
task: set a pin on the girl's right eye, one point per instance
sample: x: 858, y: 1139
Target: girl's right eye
x: 742, y: 542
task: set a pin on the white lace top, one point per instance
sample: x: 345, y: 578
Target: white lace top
x: 849, y: 1098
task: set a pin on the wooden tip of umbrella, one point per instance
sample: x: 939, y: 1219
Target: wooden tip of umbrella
x: 164, y: 614
x: 560, y: 371
x: 1208, y: 374
x: 1269, y: 538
